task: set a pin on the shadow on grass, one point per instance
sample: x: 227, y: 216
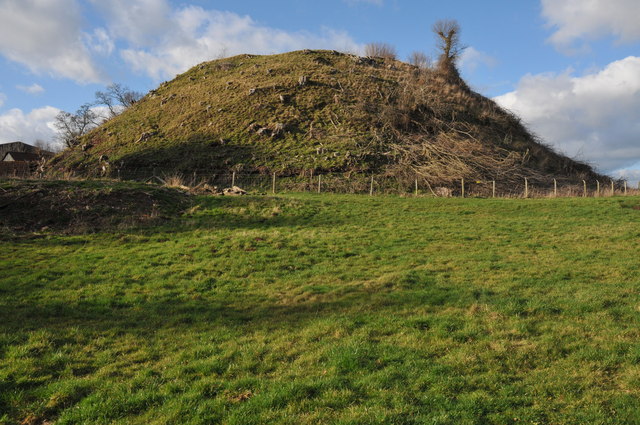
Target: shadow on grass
x: 209, y: 308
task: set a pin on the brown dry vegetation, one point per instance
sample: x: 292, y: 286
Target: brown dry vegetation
x: 84, y: 206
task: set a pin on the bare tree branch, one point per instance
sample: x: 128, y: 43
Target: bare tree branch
x: 73, y: 126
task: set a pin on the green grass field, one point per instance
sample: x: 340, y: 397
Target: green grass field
x: 313, y: 309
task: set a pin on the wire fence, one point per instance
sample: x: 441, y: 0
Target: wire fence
x: 360, y: 183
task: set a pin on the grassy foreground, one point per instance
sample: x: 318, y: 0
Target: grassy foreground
x: 304, y: 309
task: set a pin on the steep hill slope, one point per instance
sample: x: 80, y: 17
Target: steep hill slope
x: 321, y: 111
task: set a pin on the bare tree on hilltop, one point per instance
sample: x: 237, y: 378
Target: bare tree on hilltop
x: 448, y: 41
x: 380, y: 50
x: 420, y: 59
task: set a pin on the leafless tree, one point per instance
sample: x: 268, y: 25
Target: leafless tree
x: 380, y: 50
x: 420, y: 59
x: 448, y: 37
x: 73, y: 126
x: 117, y: 98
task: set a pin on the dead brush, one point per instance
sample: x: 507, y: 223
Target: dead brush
x: 174, y: 181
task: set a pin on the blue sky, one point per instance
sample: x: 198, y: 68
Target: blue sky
x: 569, y: 68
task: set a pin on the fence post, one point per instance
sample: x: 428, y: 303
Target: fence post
x: 462, y: 186
x: 233, y: 179
x: 493, y: 188
x: 613, y: 189
x: 416, y: 188
x: 273, y: 184
x: 584, y: 188
x: 597, y: 188
x: 555, y: 188
x: 625, y: 187
x: 371, y: 187
x: 526, y: 188
x: 319, y: 175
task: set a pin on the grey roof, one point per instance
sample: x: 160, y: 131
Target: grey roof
x: 22, y: 147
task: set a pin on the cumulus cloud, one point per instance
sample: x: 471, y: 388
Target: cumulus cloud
x: 32, y: 89
x: 176, y: 39
x: 578, y: 19
x: 141, y: 22
x: 15, y: 125
x: 595, y: 117
x: 100, y: 42
x: 46, y: 37
x: 631, y: 174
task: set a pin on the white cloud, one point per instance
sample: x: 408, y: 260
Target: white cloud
x: 631, y: 174
x: 100, y: 42
x: 45, y: 36
x: 175, y: 39
x: 32, y: 89
x: 595, y: 117
x: 15, y: 125
x: 575, y: 20
x: 471, y: 59
x: 141, y: 22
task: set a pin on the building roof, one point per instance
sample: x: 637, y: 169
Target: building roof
x: 21, y: 156
x: 22, y: 147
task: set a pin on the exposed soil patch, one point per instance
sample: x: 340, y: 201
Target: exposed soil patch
x: 84, y: 206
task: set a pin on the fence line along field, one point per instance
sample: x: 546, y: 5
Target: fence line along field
x: 361, y: 183
x: 309, y: 309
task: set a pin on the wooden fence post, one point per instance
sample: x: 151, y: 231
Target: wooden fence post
x: 371, y: 187
x: 319, y: 175
x: 462, y: 186
x: 584, y: 188
x: 493, y: 188
x: 233, y: 179
x: 613, y: 189
x: 273, y: 184
x: 526, y: 188
x: 625, y: 187
x: 597, y: 188
x: 416, y: 188
x: 555, y: 188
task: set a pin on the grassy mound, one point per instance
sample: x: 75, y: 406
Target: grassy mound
x: 317, y: 110
x: 84, y: 206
